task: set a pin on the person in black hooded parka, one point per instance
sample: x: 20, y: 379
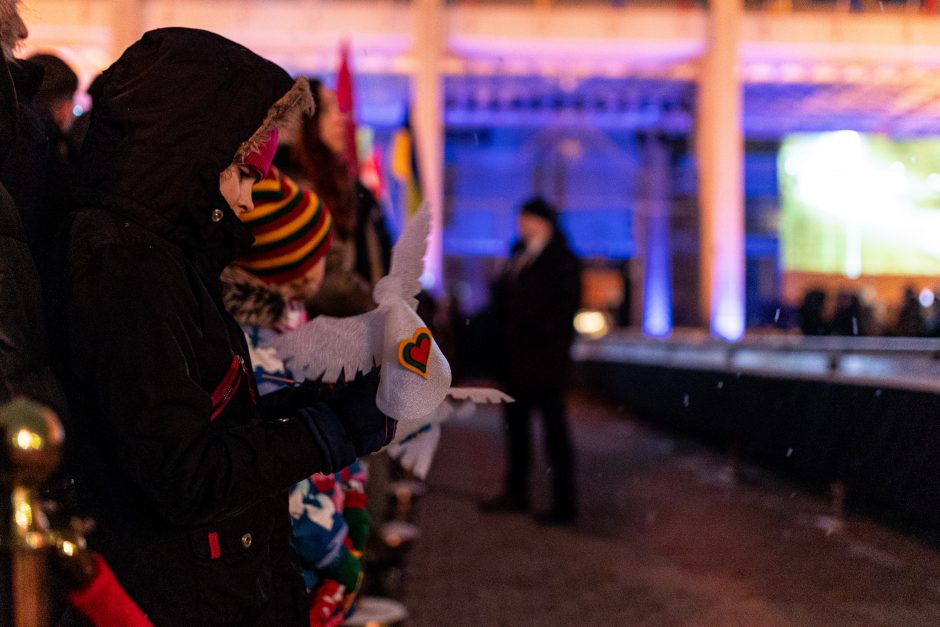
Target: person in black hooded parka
x: 185, y: 473
x: 24, y: 368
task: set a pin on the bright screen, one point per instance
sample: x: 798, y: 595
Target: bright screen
x: 855, y: 204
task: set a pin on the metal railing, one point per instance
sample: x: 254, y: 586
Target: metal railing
x: 31, y: 444
x: 896, y: 363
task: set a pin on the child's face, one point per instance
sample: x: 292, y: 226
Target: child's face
x: 304, y: 288
x: 235, y: 184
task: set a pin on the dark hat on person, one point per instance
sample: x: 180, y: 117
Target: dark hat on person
x: 538, y: 206
x: 58, y: 79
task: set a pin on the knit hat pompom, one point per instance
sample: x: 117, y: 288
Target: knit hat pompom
x: 292, y: 229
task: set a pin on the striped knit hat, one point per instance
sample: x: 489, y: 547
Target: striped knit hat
x: 293, y: 230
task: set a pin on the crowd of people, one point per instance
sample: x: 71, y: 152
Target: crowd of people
x: 152, y: 249
x: 201, y: 485
x: 862, y: 314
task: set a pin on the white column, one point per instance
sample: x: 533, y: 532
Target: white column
x: 127, y: 24
x: 427, y: 102
x: 720, y: 157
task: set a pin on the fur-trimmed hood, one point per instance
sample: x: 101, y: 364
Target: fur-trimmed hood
x: 170, y: 115
x: 250, y: 300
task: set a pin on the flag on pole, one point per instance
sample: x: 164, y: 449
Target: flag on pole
x: 370, y: 160
x: 405, y: 168
x: 344, y: 96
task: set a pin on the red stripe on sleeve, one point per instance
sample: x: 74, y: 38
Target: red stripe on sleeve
x: 214, y: 551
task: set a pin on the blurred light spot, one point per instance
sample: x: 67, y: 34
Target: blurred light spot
x: 26, y: 440
x: 926, y: 297
x: 591, y: 323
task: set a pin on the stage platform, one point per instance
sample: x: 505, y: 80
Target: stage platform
x: 859, y: 413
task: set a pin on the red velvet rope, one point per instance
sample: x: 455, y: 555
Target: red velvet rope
x: 105, y: 603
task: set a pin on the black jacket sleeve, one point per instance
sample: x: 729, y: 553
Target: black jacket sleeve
x: 134, y: 331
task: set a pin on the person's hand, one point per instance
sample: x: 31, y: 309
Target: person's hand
x: 354, y: 403
x: 286, y: 401
x: 347, y: 424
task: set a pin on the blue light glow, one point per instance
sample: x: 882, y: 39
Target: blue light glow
x: 728, y: 311
x: 657, y: 278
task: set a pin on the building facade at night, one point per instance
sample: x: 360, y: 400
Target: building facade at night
x: 655, y: 127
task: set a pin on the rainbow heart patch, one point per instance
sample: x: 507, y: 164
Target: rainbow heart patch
x: 414, y: 352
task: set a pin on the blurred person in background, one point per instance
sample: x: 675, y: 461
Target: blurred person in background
x: 80, y: 127
x: 34, y: 173
x: 534, y: 302
x: 362, y: 245
x: 56, y: 95
x: 12, y: 28
x: 849, y: 318
x: 910, y: 320
x: 24, y: 364
x: 811, y: 313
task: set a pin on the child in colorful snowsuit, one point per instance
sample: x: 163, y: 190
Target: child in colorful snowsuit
x: 265, y: 291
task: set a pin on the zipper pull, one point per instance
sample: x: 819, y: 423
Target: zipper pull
x: 251, y: 388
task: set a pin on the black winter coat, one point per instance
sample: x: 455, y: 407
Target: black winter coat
x: 24, y: 366
x: 36, y: 174
x: 186, y: 476
x: 533, y: 313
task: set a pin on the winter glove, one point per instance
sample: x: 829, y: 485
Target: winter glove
x: 286, y: 401
x: 330, y: 435
x: 354, y: 403
x: 347, y: 424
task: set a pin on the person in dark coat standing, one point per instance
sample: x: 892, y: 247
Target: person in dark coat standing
x: 535, y: 299
x: 183, y: 466
x: 35, y: 175
x: 24, y: 364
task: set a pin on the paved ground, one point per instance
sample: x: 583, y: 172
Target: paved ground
x: 668, y: 535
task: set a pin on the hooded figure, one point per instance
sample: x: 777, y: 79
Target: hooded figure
x: 24, y: 368
x: 35, y: 174
x: 184, y: 467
